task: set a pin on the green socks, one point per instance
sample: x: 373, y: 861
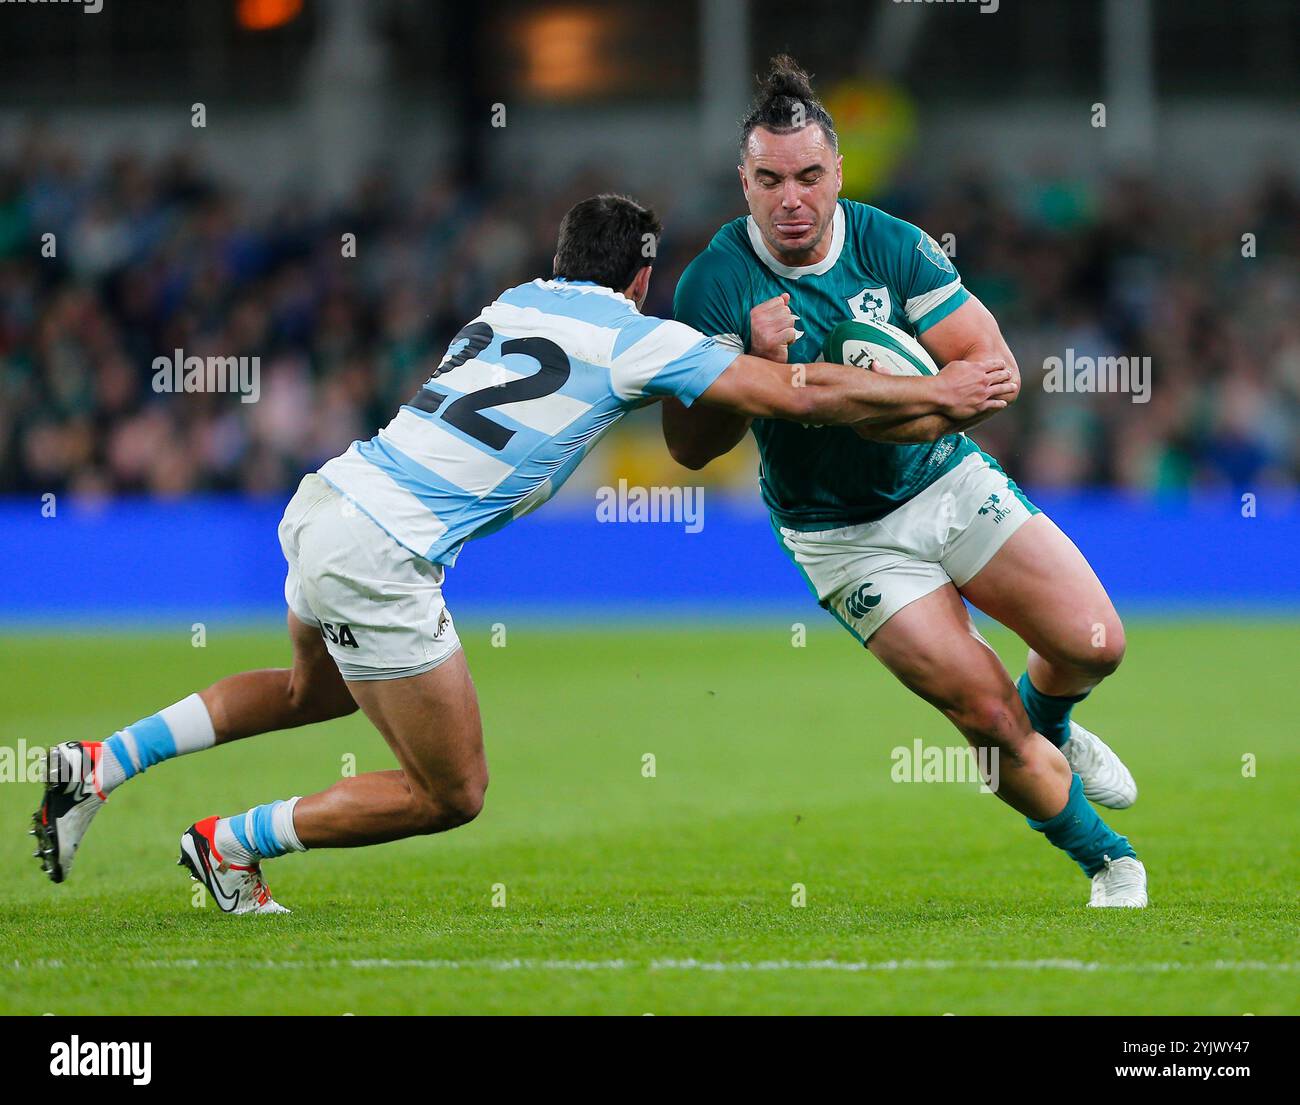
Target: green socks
x: 1048, y: 714
x: 1079, y: 832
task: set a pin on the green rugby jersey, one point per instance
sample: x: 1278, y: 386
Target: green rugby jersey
x: 878, y: 267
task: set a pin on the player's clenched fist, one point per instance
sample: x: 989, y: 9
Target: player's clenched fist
x: 772, y: 328
x: 968, y: 388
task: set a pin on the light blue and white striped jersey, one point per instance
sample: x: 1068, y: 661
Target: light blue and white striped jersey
x: 522, y: 395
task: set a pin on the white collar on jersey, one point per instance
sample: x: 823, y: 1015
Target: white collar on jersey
x: 823, y: 266
x: 560, y: 282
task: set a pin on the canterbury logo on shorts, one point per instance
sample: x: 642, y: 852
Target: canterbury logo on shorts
x: 861, y: 602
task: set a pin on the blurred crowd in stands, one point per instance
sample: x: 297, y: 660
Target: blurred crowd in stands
x: 154, y: 255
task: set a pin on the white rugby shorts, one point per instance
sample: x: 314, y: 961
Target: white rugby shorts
x: 865, y: 574
x: 378, y: 605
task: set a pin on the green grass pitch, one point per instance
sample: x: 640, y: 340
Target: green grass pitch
x: 673, y: 894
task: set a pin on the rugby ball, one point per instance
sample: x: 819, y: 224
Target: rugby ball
x: 895, y: 351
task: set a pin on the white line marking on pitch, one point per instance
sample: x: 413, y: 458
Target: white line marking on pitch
x: 705, y: 965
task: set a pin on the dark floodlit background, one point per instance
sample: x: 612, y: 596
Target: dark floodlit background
x: 1172, y: 233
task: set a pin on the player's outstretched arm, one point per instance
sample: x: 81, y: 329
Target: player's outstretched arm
x: 915, y: 431
x: 699, y: 434
x: 911, y: 430
x: 830, y: 394
x: 696, y: 435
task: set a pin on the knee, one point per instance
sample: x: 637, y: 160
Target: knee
x: 1093, y: 655
x: 464, y: 802
x: 1103, y: 652
x: 451, y: 806
x: 1109, y: 654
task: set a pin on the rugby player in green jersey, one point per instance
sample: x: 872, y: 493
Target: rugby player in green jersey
x: 894, y: 524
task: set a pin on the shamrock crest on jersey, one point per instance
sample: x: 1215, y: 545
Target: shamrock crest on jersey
x: 870, y: 305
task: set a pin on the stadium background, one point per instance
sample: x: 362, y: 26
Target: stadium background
x: 139, y: 525
x: 325, y: 119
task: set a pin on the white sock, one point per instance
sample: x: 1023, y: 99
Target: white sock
x: 182, y: 727
x: 263, y: 832
x: 228, y: 844
x: 284, y: 829
x: 190, y: 723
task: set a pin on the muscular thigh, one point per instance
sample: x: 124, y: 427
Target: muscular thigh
x: 934, y: 649
x: 431, y: 721
x: 1039, y: 585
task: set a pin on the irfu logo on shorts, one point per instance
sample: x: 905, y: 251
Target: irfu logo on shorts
x: 992, y: 506
x: 861, y: 602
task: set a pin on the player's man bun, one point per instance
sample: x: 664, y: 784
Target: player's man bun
x: 787, y: 78
x: 785, y: 97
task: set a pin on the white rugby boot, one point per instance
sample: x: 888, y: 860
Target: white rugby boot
x: 1122, y: 883
x: 72, y: 798
x: 1106, y: 780
x: 235, y: 889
